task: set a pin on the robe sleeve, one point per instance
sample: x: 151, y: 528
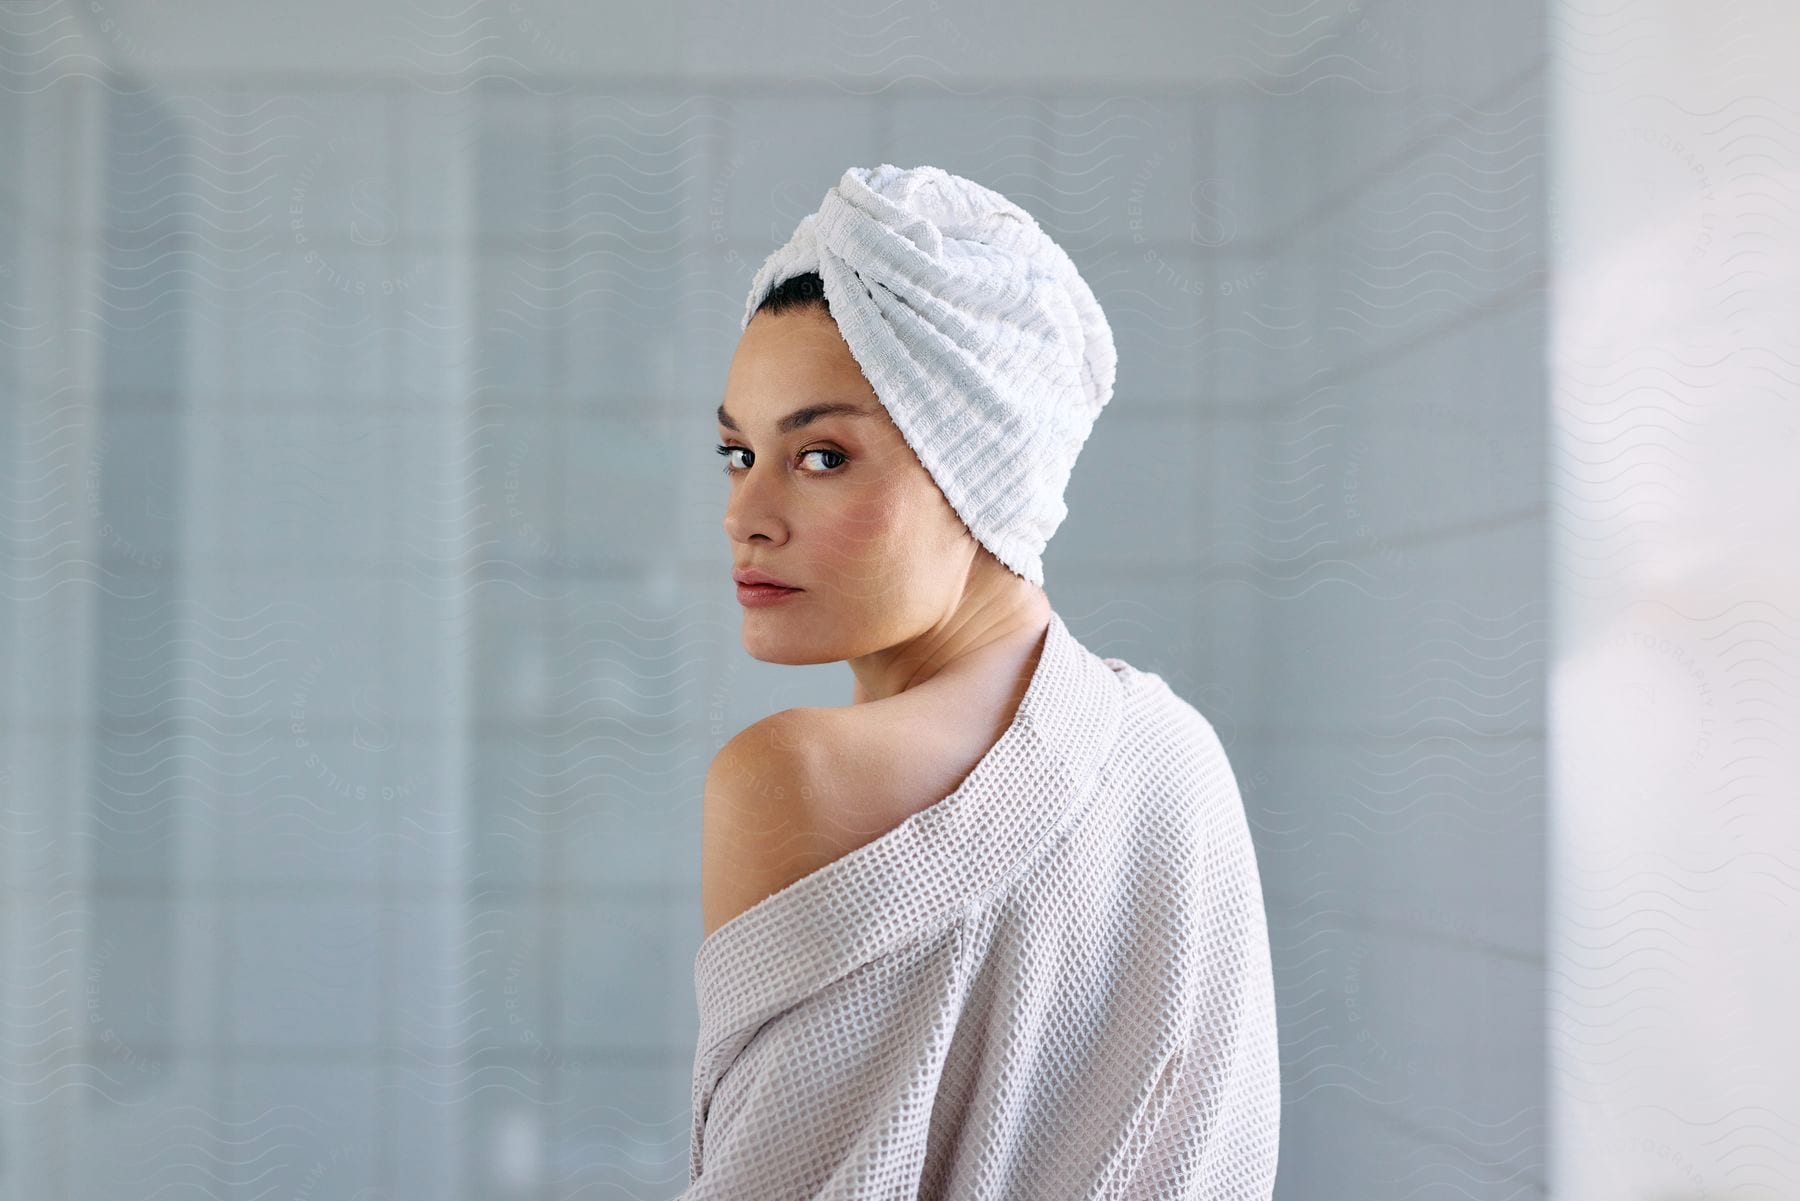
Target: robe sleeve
x: 1218, y: 1138
x: 1214, y: 1131
x: 832, y: 1097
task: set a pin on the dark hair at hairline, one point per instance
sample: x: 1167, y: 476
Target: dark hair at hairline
x: 796, y: 292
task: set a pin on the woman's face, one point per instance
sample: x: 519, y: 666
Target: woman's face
x: 835, y: 503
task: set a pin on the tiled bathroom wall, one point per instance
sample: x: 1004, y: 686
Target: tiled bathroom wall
x: 371, y: 632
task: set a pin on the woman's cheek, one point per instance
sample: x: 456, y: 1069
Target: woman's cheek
x: 871, y: 524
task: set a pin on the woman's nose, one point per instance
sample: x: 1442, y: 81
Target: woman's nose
x: 754, y: 507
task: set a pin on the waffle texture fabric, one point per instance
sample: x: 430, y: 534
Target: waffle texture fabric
x: 1053, y: 983
x: 977, y: 333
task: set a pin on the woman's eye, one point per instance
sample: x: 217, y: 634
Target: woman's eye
x: 732, y: 468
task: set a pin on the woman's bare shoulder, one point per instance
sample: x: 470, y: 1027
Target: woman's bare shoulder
x: 753, y: 819
x: 803, y: 787
x: 878, y: 763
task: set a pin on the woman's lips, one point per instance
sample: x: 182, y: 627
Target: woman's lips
x: 758, y: 595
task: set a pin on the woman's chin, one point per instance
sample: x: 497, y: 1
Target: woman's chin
x: 766, y: 641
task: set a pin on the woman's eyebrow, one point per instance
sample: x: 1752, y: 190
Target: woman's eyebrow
x: 800, y: 417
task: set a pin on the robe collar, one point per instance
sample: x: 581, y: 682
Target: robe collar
x: 931, y: 870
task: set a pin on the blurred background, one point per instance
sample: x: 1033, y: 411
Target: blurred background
x: 368, y: 629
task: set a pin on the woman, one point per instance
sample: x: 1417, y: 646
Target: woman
x: 995, y: 929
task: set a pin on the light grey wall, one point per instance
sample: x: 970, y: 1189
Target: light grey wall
x: 370, y: 626
x: 1385, y: 409
x: 1674, y: 944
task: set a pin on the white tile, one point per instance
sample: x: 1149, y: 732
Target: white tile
x: 1412, y: 256
x: 624, y: 1125
x: 458, y: 317
x: 1339, y: 1141
x: 53, y: 456
x: 161, y: 1135
x: 306, y: 973
x: 712, y: 316
x: 140, y: 298
x: 1461, y: 1030
x: 497, y: 834
x: 429, y: 1110
x: 1304, y: 482
x: 1359, y: 1025
x: 1374, y: 49
x: 465, y: 483
x: 469, y: 973
x: 1195, y: 630
x: 314, y: 322
x: 630, y: 656
x: 317, y: 168
x: 285, y: 486
x: 516, y: 153
x: 1122, y: 167
x: 133, y: 826
x: 699, y: 538
x: 1445, y: 641
x: 1477, y: 880
x: 297, y: 809
x: 617, y: 313
x: 734, y: 40
x: 156, y: 140
x: 1134, y: 494
x: 422, y: 801
x: 518, y: 324
x: 1154, y: 619
x: 1332, y: 1141
x: 511, y: 961
x: 1471, y: 51
x: 620, y: 967
x: 1449, y: 459
x: 147, y: 989
x: 782, y: 153
x: 49, y: 133
x: 1231, y: 500
x: 294, y: 1127
x: 1418, y: 835
x: 1156, y: 300
x: 1261, y: 178
x: 132, y: 491
x: 1000, y: 142
x: 623, y: 484
x: 1261, y: 339
x: 287, y: 645
x: 509, y: 1109
x: 1363, y: 140
x: 440, y: 137
x: 47, y: 832
x: 566, y: 44
x: 509, y: 656
x: 630, y: 820
x: 633, y: 176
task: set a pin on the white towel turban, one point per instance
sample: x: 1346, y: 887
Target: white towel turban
x: 978, y: 335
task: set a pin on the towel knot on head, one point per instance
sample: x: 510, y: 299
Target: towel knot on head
x: 980, y: 338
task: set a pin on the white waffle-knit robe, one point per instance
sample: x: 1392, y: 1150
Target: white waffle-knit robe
x: 1053, y: 983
